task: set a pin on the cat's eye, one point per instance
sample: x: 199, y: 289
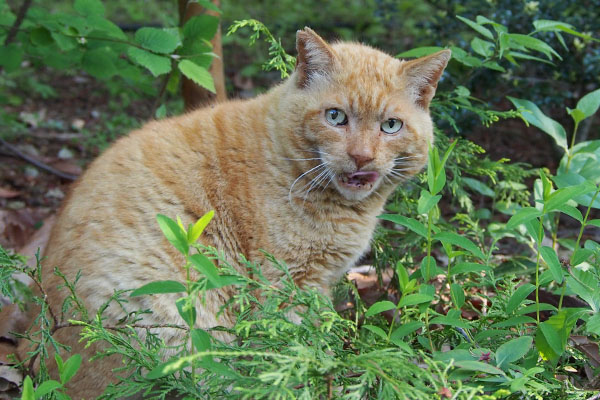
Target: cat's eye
x: 336, y: 117
x: 392, y: 126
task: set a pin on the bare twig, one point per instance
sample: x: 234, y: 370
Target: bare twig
x: 12, y: 33
x: 37, y: 162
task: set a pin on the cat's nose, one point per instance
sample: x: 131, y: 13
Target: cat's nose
x: 361, y: 159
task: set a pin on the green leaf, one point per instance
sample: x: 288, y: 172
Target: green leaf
x: 420, y: 52
x: 199, y: 226
x: 571, y: 211
x: 514, y: 321
x: 589, y: 103
x: 402, y: 276
x: 161, y: 112
x: 70, y: 368
x: 513, y: 350
x: 89, y: 7
x: 158, y: 287
x: 549, y: 255
x: 41, y: 36
x: 593, y: 324
x: 200, y: 339
x: 200, y: 28
x: 561, y: 196
x: 479, y: 367
x: 530, y: 42
x: 478, y: 186
x: 225, y: 280
x: 157, y: 40
x: 376, y: 330
x: 427, y: 202
x: 167, y: 368
x: 468, y: 267
x: 417, y: 298
x: 406, y: 222
x: 100, y: 62
x: 532, y: 114
x: 205, y: 266
x: 157, y: 65
x: 580, y: 255
x: 594, y: 222
x: 482, y: 47
x: 198, y: 74
x: 460, y: 241
x: 46, y: 387
x: 405, y: 329
x: 208, y: 5
x: 174, y: 234
x: 428, y: 268
x: 10, y: 57
x: 28, y: 393
x: 186, y: 310
x: 380, y: 307
x: 552, y: 339
x: 518, y: 296
x: 457, y: 294
x: 523, y: 215
x: 482, y: 30
x: 447, y: 320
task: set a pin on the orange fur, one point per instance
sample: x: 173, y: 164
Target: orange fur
x: 243, y: 160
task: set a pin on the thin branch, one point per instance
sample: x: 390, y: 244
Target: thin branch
x: 12, y: 33
x: 36, y: 162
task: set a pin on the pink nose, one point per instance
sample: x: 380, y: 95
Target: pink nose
x: 361, y: 159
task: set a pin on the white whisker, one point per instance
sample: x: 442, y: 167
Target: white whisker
x: 322, y: 165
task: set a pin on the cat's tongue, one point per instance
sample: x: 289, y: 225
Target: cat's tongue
x: 361, y: 177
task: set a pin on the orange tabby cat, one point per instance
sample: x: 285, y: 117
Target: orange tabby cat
x: 301, y: 171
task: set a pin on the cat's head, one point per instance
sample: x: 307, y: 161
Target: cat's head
x: 364, y: 114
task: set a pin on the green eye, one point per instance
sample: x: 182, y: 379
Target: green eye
x: 336, y: 117
x: 392, y: 126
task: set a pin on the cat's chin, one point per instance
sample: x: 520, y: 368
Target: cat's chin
x: 358, y: 185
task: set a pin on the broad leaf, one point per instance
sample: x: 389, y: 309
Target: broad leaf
x: 157, y: 40
x: 199, y: 226
x: 27, y: 391
x: 70, y: 368
x: 457, y: 294
x: 380, y: 307
x: 204, y: 265
x: 174, y: 234
x: 468, y: 267
x: 513, y: 350
x: 412, y: 299
x: 514, y: 321
x: 89, y: 7
x: 406, y: 222
x: 406, y: 329
x: 482, y: 30
x: 157, y: 65
x: 427, y: 202
x: 523, y: 215
x: 198, y: 74
x: 186, y: 310
x: 100, y: 62
x: 200, y: 339
x: 447, y: 320
x: 580, y: 255
x: 589, y: 103
x: 46, y: 387
x: 420, y: 52
x: 376, y: 330
x: 518, y: 296
x: 549, y: 255
x: 479, y: 366
x: 532, y: 114
x: 158, y: 287
x: 460, y: 241
x: 478, y: 186
x: 561, y: 196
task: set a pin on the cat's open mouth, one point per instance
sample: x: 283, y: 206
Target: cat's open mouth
x: 359, y: 179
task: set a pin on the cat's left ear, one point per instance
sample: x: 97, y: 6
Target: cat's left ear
x: 315, y: 56
x: 421, y: 76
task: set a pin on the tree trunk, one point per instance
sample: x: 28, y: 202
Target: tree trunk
x: 195, y: 96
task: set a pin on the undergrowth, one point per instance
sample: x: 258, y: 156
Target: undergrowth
x: 462, y: 316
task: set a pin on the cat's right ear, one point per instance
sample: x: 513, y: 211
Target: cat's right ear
x: 315, y: 57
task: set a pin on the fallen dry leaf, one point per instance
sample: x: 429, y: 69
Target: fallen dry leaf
x: 8, y: 193
x: 68, y: 167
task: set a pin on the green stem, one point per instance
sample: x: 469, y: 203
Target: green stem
x: 537, y: 269
x: 570, y: 154
x: 429, y: 331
